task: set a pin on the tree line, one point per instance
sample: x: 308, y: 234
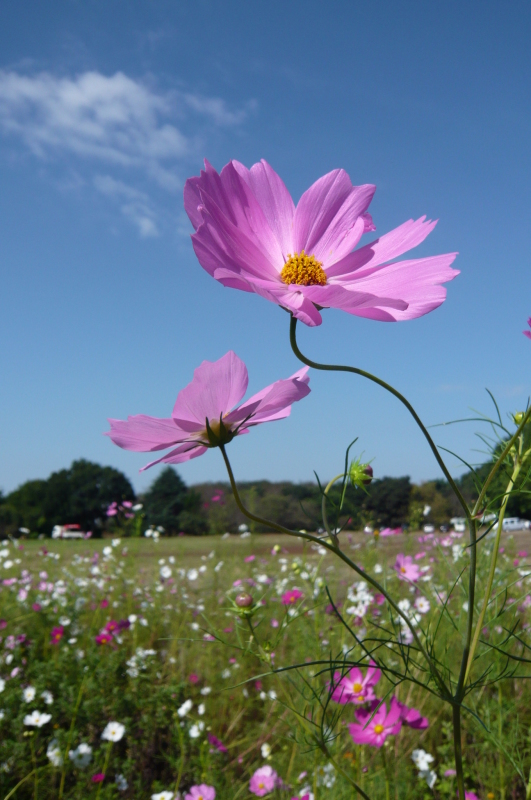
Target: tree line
x: 82, y: 494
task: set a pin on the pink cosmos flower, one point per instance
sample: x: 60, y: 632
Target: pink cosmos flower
x: 406, y: 569
x: 381, y: 725
x: 202, y: 415
x: 250, y: 236
x: 216, y: 743
x: 201, y: 792
x: 57, y: 634
x: 412, y: 718
x: 528, y: 333
x: 356, y: 687
x: 103, y: 638
x: 264, y: 780
x: 98, y: 777
x: 291, y: 597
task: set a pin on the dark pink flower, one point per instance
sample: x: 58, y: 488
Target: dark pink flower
x: 355, y: 687
x: 412, y: 718
x: 373, y: 727
x: 528, y: 333
x: 103, y: 638
x: 263, y: 781
x: 57, y: 634
x: 216, y: 743
x: 193, y: 678
x: 406, y: 569
x: 202, y: 415
x: 98, y: 777
x: 250, y: 236
x: 111, y: 626
x: 291, y: 597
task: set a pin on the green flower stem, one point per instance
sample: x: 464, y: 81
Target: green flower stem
x: 386, y: 773
x: 69, y: 740
x: 445, y: 693
x: 393, y: 391
x: 492, y: 570
x: 24, y: 779
x: 35, y: 771
x: 458, y: 755
x: 105, y: 768
x: 182, y: 761
x: 323, y: 507
x: 345, y: 775
x: 500, y: 733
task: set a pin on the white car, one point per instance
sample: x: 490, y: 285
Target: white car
x: 459, y: 524
x: 516, y: 524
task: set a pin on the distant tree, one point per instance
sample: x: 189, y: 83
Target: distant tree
x: 388, y: 501
x: 169, y: 502
x: 78, y: 495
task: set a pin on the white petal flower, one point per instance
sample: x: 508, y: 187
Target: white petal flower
x: 185, y: 708
x: 47, y: 697
x: 36, y: 719
x: 29, y: 694
x: 53, y: 752
x: 265, y: 750
x: 113, y: 732
x: 162, y: 796
x: 121, y: 782
x: 81, y: 756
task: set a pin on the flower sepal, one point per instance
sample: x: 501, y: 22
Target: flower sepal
x: 217, y: 433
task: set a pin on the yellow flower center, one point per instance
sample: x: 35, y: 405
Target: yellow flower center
x: 261, y: 785
x: 403, y: 569
x: 303, y: 270
x: 357, y: 687
x: 378, y: 728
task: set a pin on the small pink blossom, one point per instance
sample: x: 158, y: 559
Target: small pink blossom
x: 405, y: 569
x: 264, y: 780
x: 57, y: 634
x: 274, y: 623
x: 355, y: 687
x: 373, y: 727
x: 98, y: 777
x: 201, y: 792
x: 412, y: 718
x: 103, y: 638
x: 216, y: 743
x: 291, y: 597
x: 248, y: 559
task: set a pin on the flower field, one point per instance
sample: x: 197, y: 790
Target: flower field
x: 158, y: 668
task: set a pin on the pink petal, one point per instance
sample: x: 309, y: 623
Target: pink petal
x: 342, y: 235
x: 273, y: 402
x: 335, y: 296
x: 216, y: 387
x: 142, y: 434
x: 301, y: 307
x: 320, y: 204
x: 389, y: 246
x: 274, y: 199
x: 183, y: 453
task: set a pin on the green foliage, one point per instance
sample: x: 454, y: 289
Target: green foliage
x: 170, y: 504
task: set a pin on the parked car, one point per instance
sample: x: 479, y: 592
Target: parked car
x: 428, y: 528
x: 459, y: 524
x: 516, y: 524
x: 67, y: 532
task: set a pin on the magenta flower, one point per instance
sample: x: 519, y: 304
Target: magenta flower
x: 250, y: 236
x: 201, y: 792
x: 373, y: 727
x: 263, y: 781
x: 103, y: 638
x: 291, y: 597
x: 202, y: 415
x: 412, y: 718
x: 98, y: 777
x: 528, y: 333
x: 216, y: 743
x: 57, y: 634
x: 355, y: 687
x: 406, y: 569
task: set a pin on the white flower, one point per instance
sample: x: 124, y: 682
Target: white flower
x: 162, y: 796
x: 218, y: 566
x: 430, y: 776
x: 47, y: 697
x: 107, y: 551
x: 116, y: 542
x: 2, y: 684
x: 196, y: 730
x: 2, y: 713
x: 29, y: 694
x: 81, y: 756
x: 272, y: 694
x: 113, y: 732
x: 265, y: 750
x: 36, y: 719
x: 8, y: 564
x: 120, y: 780
x: 421, y: 759
x: 422, y: 604
x: 206, y: 690
x: 165, y: 572
x: 326, y: 775
x: 64, y: 621
x: 148, y: 533
x: 53, y: 752
x: 192, y: 574
x: 201, y: 709
x: 225, y: 674
x: 185, y: 708
x: 132, y: 619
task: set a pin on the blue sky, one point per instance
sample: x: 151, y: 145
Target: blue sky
x: 107, y: 107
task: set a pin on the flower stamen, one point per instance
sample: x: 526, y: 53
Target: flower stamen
x: 303, y: 270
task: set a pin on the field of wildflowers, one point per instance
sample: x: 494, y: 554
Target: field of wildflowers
x: 211, y: 668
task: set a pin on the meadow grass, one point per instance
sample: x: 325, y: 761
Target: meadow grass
x: 130, y: 631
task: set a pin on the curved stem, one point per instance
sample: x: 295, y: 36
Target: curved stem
x: 393, y: 391
x: 323, y: 506
x: 340, y: 554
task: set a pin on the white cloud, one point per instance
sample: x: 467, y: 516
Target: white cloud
x: 113, y: 120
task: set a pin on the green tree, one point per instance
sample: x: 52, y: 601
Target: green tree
x: 169, y: 503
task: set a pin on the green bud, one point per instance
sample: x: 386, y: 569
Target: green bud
x: 518, y: 417
x: 360, y: 474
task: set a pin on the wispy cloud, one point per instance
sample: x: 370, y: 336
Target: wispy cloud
x: 114, y: 120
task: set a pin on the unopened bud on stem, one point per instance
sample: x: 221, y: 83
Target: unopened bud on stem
x: 244, y: 600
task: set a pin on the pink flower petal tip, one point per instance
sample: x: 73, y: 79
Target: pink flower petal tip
x: 249, y: 235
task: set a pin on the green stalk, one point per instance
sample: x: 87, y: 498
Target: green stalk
x: 105, y: 768
x: 324, y: 514
x: 334, y: 549
x: 458, y: 755
x: 183, y: 757
x: 36, y: 778
x: 500, y: 731
x: 69, y: 740
x: 386, y: 773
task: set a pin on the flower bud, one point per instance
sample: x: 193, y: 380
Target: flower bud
x: 369, y: 472
x: 244, y: 600
x: 360, y: 474
x: 518, y: 417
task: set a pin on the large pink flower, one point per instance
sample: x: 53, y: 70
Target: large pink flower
x: 382, y: 724
x: 263, y: 781
x: 249, y: 235
x: 355, y: 687
x: 202, y: 415
x: 406, y: 569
